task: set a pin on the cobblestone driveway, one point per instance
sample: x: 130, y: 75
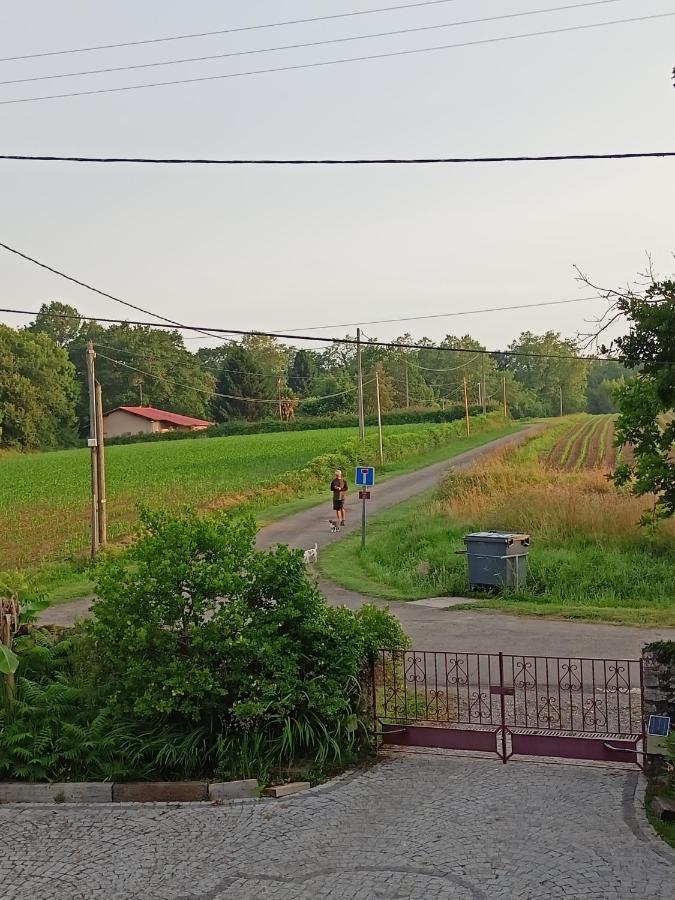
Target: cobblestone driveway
x: 417, y: 826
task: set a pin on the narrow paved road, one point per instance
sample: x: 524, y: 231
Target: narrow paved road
x: 312, y: 526
x: 415, y: 826
x: 439, y: 629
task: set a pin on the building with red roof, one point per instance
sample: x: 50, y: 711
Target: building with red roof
x: 147, y: 419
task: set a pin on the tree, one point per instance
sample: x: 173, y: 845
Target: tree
x: 603, y: 380
x: 545, y: 364
x: 330, y: 394
x: 647, y: 402
x: 38, y: 391
x: 270, y: 357
x: 386, y: 388
x: 446, y: 370
x: 242, y: 383
x: 301, y: 372
x: 143, y: 366
x: 63, y: 331
x: 408, y: 383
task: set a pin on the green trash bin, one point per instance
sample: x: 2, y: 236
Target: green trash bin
x: 497, y: 559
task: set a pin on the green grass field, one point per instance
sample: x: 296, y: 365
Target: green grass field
x: 44, y: 497
x: 588, y: 558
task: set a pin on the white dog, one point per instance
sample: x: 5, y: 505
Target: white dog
x: 311, y: 556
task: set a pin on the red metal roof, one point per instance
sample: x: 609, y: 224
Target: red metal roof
x: 161, y: 415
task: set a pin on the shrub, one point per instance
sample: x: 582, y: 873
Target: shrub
x: 198, y: 630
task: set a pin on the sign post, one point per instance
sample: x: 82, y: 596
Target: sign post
x: 364, y: 478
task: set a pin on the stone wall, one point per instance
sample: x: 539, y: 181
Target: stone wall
x: 659, y: 669
x: 659, y: 690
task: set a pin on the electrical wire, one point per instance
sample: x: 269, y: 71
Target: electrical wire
x: 144, y: 355
x: 334, y: 62
x: 201, y: 34
x: 211, y: 393
x: 96, y: 290
x: 302, y: 46
x: 372, y: 161
x: 464, y: 312
x: 326, y: 340
x: 219, y: 332
x: 214, y: 333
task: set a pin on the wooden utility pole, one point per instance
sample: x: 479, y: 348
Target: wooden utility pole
x: 100, y: 470
x: 483, y: 393
x: 466, y: 408
x: 93, y: 446
x: 379, y: 415
x: 359, y: 375
x: 407, y: 387
x: 506, y: 411
x: 279, y: 399
x: 480, y: 395
x: 561, y: 401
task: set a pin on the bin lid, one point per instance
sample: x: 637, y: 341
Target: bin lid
x: 501, y: 537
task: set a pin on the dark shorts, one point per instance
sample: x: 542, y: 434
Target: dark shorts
x: 338, y: 504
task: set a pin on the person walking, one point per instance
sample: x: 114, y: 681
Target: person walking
x: 339, y: 488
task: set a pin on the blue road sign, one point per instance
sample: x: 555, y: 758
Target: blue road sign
x: 365, y: 476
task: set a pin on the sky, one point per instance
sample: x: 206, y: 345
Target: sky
x: 295, y: 248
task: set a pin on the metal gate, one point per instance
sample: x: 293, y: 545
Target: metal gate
x: 565, y: 707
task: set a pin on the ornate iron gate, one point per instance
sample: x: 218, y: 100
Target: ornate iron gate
x: 570, y: 707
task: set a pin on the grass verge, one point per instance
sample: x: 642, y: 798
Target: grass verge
x: 589, y: 560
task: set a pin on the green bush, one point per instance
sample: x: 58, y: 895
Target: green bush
x: 205, y: 656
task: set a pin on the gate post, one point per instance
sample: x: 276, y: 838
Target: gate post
x: 502, y: 705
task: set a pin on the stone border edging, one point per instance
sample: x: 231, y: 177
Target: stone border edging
x: 96, y: 792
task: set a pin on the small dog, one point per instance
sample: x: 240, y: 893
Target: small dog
x: 311, y: 556
x: 334, y: 526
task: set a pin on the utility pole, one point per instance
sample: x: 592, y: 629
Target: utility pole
x: 466, y: 408
x: 506, y: 411
x: 407, y: 387
x: 379, y: 415
x: 92, y: 445
x: 483, y: 392
x: 100, y: 470
x: 279, y: 398
x: 561, y: 400
x: 359, y: 375
x: 480, y: 395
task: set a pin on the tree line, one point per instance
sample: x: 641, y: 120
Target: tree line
x: 44, y: 402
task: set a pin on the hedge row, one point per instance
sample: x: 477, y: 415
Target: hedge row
x: 302, y: 423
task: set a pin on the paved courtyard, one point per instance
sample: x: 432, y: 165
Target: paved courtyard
x: 415, y: 826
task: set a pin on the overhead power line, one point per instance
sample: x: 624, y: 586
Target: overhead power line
x: 316, y: 338
x: 236, y: 30
x: 213, y: 393
x: 305, y: 45
x: 367, y: 161
x: 96, y: 290
x: 110, y: 296
x: 447, y: 315
x: 334, y: 62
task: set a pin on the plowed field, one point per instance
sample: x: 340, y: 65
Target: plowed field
x: 588, y: 444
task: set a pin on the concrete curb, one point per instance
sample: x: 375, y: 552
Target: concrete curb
x: 131, y: 792
x: 156, y: 792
